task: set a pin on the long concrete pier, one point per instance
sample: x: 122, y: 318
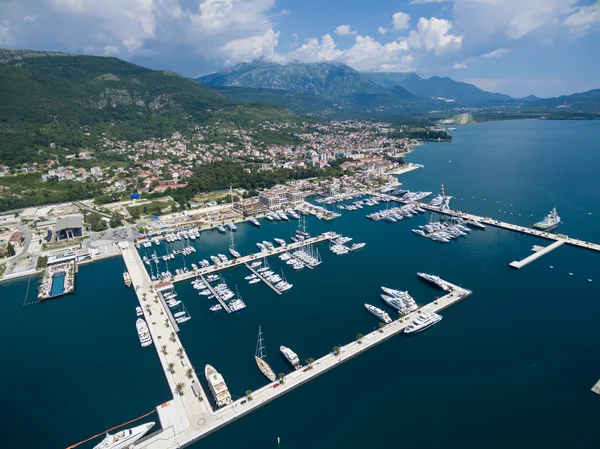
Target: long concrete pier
x: 536, y: 255
x: 262, y: 278
x: 244, y: 259
x: 513, y: 227
x: 189, y: 417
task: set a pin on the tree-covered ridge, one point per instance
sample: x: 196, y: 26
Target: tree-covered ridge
x: 72, y: 100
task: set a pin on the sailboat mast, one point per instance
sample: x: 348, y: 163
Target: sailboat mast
x: 259, y: 346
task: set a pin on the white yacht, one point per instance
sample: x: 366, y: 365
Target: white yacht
x: 124, y: 438
x: 435, y: 280
x: 216, y: 308
x: 423, y: 321
x: 234, y: 253
x: 138, y: 311
x: 221, y: 229
x: 231, y: 226
x: 290, y: 356
x: 217, y: 385
x: 280, y: 241
x: 254, y: 221
x: 143, y: 332
x: 383, y: 316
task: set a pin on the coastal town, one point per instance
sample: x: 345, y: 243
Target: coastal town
x: 157, y: 165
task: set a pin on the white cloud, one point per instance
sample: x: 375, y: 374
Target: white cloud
x: 382, y: 30
x: 345, y: 30
x: 365, y: 54
x: 434, y: 35
x: 460, y: 65
x: 368, y: 54
x: 249, y: 48
x: 317, y: 51
x: 514, y: 19
x: 585, y: 18
x: 400, y: 21
x: 496, y: 53
x: 295, y: 36
x: 181, y: 30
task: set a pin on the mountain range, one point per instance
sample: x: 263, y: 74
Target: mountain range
x: 50, y: 97
x: 333, y: 88
x: 350, y: 89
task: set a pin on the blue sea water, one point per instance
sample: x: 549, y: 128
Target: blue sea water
x: 510, y: 366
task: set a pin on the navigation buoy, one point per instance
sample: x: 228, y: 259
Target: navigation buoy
x: 570, y: 274
x: 589, y: 280
x: 551, y: 266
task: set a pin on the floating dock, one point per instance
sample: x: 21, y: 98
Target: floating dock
x: 262, y: 278
x: 212, y: 290
x: 536, y: 255
x: 252, y: 257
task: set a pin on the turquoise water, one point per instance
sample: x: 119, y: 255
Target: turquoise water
x: 510, y: 366
x: 58, y: 284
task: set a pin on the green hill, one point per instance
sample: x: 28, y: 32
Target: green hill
x: 51, y: 97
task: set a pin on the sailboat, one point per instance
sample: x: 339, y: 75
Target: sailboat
x: 260, y: 356
x: 232, y: 250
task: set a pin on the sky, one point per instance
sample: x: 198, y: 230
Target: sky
x: 518, y: 47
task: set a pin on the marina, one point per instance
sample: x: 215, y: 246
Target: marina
x: 196, y: 419
x: 518, y: 372
x: 218, y: 266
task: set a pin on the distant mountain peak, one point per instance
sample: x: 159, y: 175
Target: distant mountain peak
x: 332, y: 79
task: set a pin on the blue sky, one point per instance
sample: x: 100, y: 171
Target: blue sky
x: 519, y: 47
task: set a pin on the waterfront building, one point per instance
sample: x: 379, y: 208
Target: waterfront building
x: 69, y: 227
x: 280, y: 196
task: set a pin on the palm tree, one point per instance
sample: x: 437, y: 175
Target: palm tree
x: 336, y: 350
x: 164, y: 349
x: 172, y: 336
x: 381, y: 326
x: 281, y: 376
x: 309, y: 362
x: 167, y: 324
x: 189, y: 372
x: 171, y: 367
x: 359, y: 338
x: 249, y: 394
x: 180, y: 352
x: 149, y: 308
x: 179, y: 388
x: 144, y: 297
